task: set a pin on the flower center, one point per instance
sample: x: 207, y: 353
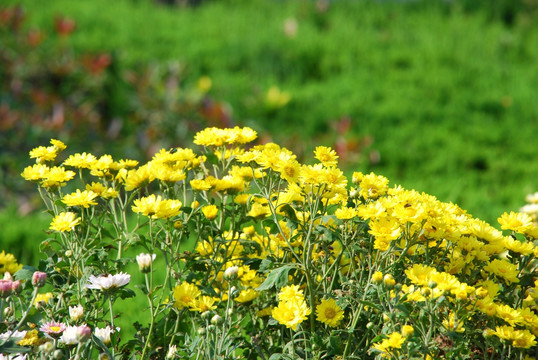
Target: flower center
x: 330, y: 313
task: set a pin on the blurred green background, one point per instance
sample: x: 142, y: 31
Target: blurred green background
x: 438, y: 96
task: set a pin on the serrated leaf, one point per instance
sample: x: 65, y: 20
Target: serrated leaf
x: 277, y: 277
x: 25, y: 273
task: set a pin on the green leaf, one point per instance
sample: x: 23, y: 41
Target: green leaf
x: 277, y: 277
x: 25, y: 273
x: 11, y: 348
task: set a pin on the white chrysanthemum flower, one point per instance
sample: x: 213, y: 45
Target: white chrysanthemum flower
x: 16, y: 336
x: 69, y: 336
x: 109, y: 281
x: 76, y: 312
x: 104, y: 334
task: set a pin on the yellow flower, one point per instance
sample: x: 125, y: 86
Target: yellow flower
x: 385, y: 230
x: 329, y: 313
x: 219, y: 137
x: 65, y: 221
x: 57, y: 176
x: 407, y: 330
x: 80, y: 198
x: 203, y: 303
x: 373, y: 186
x: 80, y: 161
x: 394, y: 341
x: 200, y: 185
x: 291, y: 313
x: 247, y: 295
x: 503, y: 269
x: 8, y: 263
x: 377, y: 277
x: 259, y: 211
x: 43, y: 298
x: 453, y: 324
x: 345, y: 213
x: 185, y: 295
x: 420, y: 274
x: 59, y: 145
x: 35, y: 172
x: 326, y: 156
x: 30, y: 339
x: 517, y: 222
x: 210, y: 211
x: 44, y: 154
x: 291, y: 293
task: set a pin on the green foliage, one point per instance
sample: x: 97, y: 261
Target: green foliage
x: 444, y: 90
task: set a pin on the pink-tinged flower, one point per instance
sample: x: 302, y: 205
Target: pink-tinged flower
x: 7, y: 287
x: 108, y: 282
x: 74, y: 335
x: 53, y: 329
x: 39, y: 278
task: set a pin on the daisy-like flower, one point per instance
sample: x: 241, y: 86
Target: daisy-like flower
x: 290, y: 293
x: 210, y: 211
x: 203, y: 304
x: 81, y: 161
x: 65, y: 221
x: 185, y: 295
x: 53, y: 329
x: 104, y: 334
x: 329, y: 313
x: 291, y: 313
x: 57, y: 176
x: 43, y: 154
x: 326, y: 156
x: 518, y: 222
x: 35, y: 172
x: 8, y: 263
x: 108, y: 282
x: 80, y: 198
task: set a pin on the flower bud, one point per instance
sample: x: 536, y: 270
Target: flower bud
x: 389, y: 281
x: 407, y: 330
x: 144, y: 262
x: 8, y: 311
x: 84, y: 333
x: 76, y: 312
x: 231, y: 273
x: 58, y: 355
x: 201, y: 331
x: 172, y: 352
x: 217, y: 320
x: 377, y: 277
x: 68, y: 253
x: 104, y: 356
x: 39, y: 279
x: 47, y: 347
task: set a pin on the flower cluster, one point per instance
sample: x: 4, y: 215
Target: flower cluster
x: 246, y: 252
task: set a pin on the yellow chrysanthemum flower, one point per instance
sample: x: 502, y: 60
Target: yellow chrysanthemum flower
x: 8, y: 263
x: 210, y: 211
x: 80, y: 198
x: 247, y: 295
x: 503, y: 269
x: 35, y: 172
x: 329, y: 313
x: 326, y: 156
x: 65, y: 221
x: 80, y: 161
x: 291, y: 313
x: 44, y: 154
x: 517, y: 222
x: 185, y: 295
